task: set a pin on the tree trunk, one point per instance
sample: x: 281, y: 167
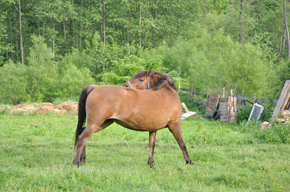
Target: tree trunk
x: 81, y: 24
x: 124, y: 30
x: 11, y: 40
x: 6, y: 43
x: 64, y: 35
x: 53, y: 37
x: 283, y: 43
x: 162, y: 25
x: 178, y: 19
x: 240, y: 32
x: 21, y: 41
x: 140, y: 24
x: 38, y: 22
x: 286, y: 26
x: 104, y: 21
x: 74, y: 29
x: 16, y: 39
x: 155, y: 17
x: 43, y: 27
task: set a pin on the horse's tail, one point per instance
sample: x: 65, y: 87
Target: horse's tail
x: 82, y: 111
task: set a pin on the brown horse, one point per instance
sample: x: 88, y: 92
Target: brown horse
x: 140, y: 110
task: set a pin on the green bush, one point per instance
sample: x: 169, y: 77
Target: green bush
x: 216, y: 60
x: 13, y: 83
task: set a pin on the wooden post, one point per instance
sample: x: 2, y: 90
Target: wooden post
x: 192, y: 95
x: 235, y: 90
x: 231, y: 92
x: 224, y: 90
x: 242, y: 96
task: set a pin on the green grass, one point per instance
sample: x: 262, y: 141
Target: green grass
x: 37, y: 152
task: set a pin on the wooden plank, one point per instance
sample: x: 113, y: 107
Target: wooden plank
x: 244, y: 98
x: 212, y: 107
x: 189, y: 114
x: 212, y: 103
x: 281, y: 98
x: 233, y: 114
x: 224, y: 99
x: 214, y: 96
x: 286, y: 99
x: 223, y: 106
x: 224, y: 119
x: 224, y: 112
x: 184, y: 107
x: 266, y: 101
x: 208, y: 111
x: 188, y: 90
x: 186, y: 95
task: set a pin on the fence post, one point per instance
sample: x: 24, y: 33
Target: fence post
x: 224, y: 90
x: 242, y: 96
x: 192, y: 94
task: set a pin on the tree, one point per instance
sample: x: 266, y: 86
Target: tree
x: 21, y: 40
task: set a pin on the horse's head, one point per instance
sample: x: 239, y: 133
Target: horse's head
x: 150, y: 80
x: 141, y: 80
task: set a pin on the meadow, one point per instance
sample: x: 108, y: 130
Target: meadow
x: 37, y: 152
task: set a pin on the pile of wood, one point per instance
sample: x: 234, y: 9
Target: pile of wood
x: 228, y: 109
x: 212, y: 103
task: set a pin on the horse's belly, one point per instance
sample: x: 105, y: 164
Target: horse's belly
x: 142, y: 124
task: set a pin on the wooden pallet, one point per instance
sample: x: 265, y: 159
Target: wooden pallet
x: 212, y: 103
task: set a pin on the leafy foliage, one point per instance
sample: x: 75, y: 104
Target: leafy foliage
x: 200, y: 44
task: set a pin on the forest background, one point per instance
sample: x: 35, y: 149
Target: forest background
x: 53, y: 49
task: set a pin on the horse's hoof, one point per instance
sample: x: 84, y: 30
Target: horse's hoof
x: 151, y: 165
x: 76, y: 163
x: 190, y: 162
x: 83, y: 161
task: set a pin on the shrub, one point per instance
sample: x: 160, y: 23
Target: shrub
x: 13, y: 83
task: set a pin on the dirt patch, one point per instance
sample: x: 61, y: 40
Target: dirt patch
x: 42, y: 108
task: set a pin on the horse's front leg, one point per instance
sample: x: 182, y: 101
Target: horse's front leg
x: 152, y: 138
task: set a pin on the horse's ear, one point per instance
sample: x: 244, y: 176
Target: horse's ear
x: 149, y: 72
x: 140, y: 70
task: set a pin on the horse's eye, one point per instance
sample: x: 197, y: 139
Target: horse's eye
x: 141, y: 80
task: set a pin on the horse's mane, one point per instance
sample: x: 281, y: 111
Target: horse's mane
x: 164, y: 80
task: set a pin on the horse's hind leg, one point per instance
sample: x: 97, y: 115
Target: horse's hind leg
x: 83, y: 151
x: 83, y: 138
x: 152, y: 138
x: 83, y: 155
x: 176, y: 131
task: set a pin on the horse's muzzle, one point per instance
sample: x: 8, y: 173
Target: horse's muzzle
x: 125, y: 85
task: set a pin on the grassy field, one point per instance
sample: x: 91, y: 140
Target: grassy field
x: 37, y: 152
